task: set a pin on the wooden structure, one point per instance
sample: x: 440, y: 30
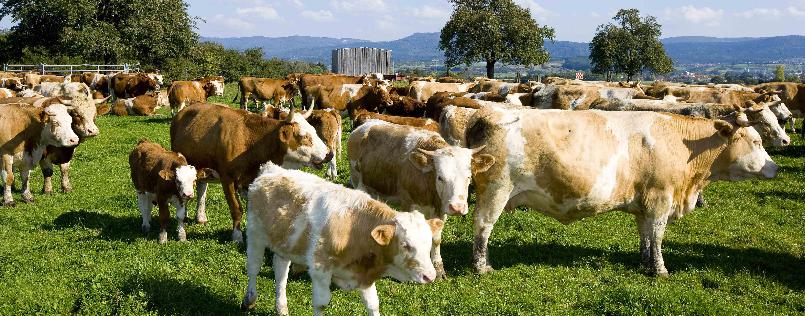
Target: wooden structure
x: 362, y: 60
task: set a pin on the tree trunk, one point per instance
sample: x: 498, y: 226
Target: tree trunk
x: 490, y: 69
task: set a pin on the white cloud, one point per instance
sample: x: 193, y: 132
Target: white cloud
x: 759, y: 12
x: 537, y: 10
x: 318, y: 16
x: 429, y: 12
x: 704, y: 15
x: 794, y: 11
x: 359, y: 5
x: 297, y: 3
x: 232, y: 23
x: 386, y: 22
x: 262, y: 11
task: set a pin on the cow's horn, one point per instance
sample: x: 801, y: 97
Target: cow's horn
x: 290, y: 114
x: 99, y: 101
x: 308, y: 113
x: 478, y: 149
x: 66, y: 102
x: 427, y: 152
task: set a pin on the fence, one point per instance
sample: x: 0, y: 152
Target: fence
x: 361, y: 61
x: 70, y: 69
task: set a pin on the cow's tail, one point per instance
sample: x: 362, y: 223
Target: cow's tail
x: 237, y: 93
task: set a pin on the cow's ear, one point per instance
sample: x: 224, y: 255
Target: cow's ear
x: 382, y: 234
x: 482, y: 162
x: 421, y: 161
x: 204, y: 174
x: 102, y: 109
x: 167, y: 175
x: 286, y: 133
x: 724, y: 128
x: 436, y: 225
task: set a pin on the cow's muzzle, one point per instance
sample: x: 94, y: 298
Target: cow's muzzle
x: 320, y: 163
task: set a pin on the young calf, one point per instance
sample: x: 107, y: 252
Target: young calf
x: 415, y: 168
x: 341, y: 235
x: 161, y: 177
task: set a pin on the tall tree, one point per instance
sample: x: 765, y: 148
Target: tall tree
x: 630, y: 46
x: 103, y: 31
x: 493, y: 31
x: 779, y: 73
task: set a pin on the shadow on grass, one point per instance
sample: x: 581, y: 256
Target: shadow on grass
x: 158, y: 120
x: 776, y: 266
x: 794, y: 151
x: 778, y: 194
x: 167, y: 296
x: 111, y: 227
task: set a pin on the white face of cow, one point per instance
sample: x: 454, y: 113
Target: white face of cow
x: 453, y: 171
x: 412, y: 241
x: 217, y: 88
x: 781, y: 111
x: 306, y: 148
x: 58, y: 130
x: 83, y: 112
x: 158, y: 78
x: 766, y: 123
x: 747, y: 158
x: 185, y: 181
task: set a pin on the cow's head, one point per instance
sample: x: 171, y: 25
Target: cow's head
x: 185, y: 177
x: 157, y: 77
x: 765, y: 122
x: 57, y: 129
x: 303, y: 146
x: 744, y: 156
x: 83, y: 112
x: 452, y: 168
x: 408, y: 240
x: 214, y: 86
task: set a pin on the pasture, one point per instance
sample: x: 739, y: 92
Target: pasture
x: 83, y: 252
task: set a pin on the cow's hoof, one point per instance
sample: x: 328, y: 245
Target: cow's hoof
x: 163, y: 237
x: 47, y: 192
x: 440, y: 274
x: 28, y: 198
x: 201, y: 222
x: 237, y: 236
x: 249, y: 302
x: 66, y: 189
x: 182, y: 235
x: 282, y: 310
x: 9, y: 203
x: 484, y: 270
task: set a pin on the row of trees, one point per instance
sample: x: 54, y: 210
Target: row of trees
x: 501, y: 31
x: 157, y: 34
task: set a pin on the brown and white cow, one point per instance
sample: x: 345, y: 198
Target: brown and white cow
x: 369, y: 96
x: 12, y: 83
x: 184, y: 93
x: 327, y: 82
x: 422, y: 90
x: 69, y: 89
x: 161, y: 177
x: 129, y: 85
x: 6, y: 93
x: 53, y: 78
x: 343, y: 236
x: 25, y: 132
x: 143, y: 105
x: 328, y: 127
x: 414, y: 168
x: 235, y: 143
x: 652, y: 165
x: 362, y: 116
x: 95, y: 81
x: 792, y: 94
x: 260, y: 90
x: 405, y: 106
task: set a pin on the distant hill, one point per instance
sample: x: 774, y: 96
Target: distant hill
x: 425, y: 47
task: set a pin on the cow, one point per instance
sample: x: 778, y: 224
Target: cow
x: 143, y: 105
x: 25, y: 132
x: 453, y: 124
x: 440, y: 100
x: 652, y: 165
x: 327, y: 124
x: 369, y: 97
x: 707, y: 94
x: 94, y: 80
x: 7, y: 93
x: 450, y: 80
x: 567, y: 97
x: 422, y: 91
x: 235, y: 143
x: 362, y: 116
x: 161, y: 177
x: 29, y: 93
x: 53, y: 78
x: 792, y: 94
x: 129, y: 85
x: 404, y: 106
x: 70, y: 90
x: 183, y: 93
x: 278, y: 91
x: 416, y: 169
x: 328, y: 82
x: 342, y: 235
x: 31, y: 79
x: 12, y: 83
x: 499, y: 87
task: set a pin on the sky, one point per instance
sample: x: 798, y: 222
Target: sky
x: 382, y: 20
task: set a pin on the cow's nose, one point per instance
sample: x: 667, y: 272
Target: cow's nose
x: 786, y: 142
x: 457, y: 208
x: 73, y: 141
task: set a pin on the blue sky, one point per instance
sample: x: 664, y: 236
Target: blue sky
x: 573, y: 20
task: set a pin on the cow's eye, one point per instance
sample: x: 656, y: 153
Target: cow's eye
x: 407, y: 247
x: 439, y: 178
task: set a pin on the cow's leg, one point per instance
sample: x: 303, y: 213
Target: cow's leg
x: 8, y: 167
x: 66, y: 187
x: 25, y: 176
x: 370, y: 300
x: 144, y: 203
x: 255, y: 250
x: 281, y: 268
x: 332, y: 169
x: 201, y: 199
x: 234, y: 208
x: 181, y: 217
x: 792, y: 121
x: 47, y: 173
x: 164, y: 218
x: 651, y: 231
x: 490, y: 204
x: 321, y: 280
x: 436, y: 253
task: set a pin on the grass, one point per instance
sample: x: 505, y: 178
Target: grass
x: 83, y: 253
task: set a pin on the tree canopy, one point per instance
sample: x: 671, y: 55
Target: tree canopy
x: 98, y: 31
x: 493, y: 31
x: 630, y: 46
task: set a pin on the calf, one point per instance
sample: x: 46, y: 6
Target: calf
x: 652, y: 165
x: 235, y: 143
x: 343, y: 236
x: 161, y: 177
x: 422, y: 90
x: 143, y: 105
x: 25, y: 132
x: 416, y: 169
x: 129, y: 85
x: 183, y: 93
x: 363, y: 116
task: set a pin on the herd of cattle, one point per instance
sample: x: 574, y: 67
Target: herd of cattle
x: 569, y: 149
